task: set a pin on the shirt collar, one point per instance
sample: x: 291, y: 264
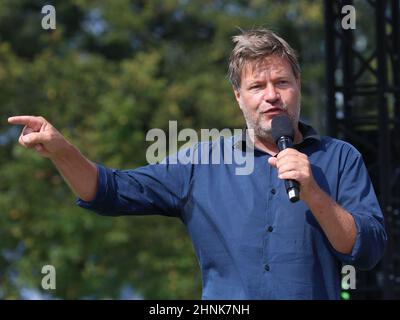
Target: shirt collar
x: 308, y: 132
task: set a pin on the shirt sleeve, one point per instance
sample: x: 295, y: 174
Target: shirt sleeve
x: 152, y: 189
x: 356, y: 194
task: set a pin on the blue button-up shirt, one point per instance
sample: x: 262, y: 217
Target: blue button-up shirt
x: 250, y: 240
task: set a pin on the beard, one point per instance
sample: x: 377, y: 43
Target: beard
x: 263, y: 130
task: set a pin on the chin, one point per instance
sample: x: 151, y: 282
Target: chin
x: 265, y: 125
x: 263, y: 131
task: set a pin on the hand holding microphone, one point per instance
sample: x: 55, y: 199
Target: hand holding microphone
x: 292, y: 165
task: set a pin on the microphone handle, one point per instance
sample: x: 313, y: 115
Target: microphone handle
x: 292, y: 186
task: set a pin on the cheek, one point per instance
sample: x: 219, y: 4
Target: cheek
x: 253, y: 101
x: 296, y: 94
x: 293, y: 97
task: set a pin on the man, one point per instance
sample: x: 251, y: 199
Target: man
x: 250, y: 240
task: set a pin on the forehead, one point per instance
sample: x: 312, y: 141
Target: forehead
x: 270, y: 66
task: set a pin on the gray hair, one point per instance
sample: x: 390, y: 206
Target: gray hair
x: 253, y: 46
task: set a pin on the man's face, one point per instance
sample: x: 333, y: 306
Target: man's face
x: 268, y: 89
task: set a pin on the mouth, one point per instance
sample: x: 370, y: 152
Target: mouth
x: 273, y: 111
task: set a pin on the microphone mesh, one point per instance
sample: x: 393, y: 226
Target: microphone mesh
x: 281, y: 125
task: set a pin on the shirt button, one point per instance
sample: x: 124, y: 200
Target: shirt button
x: 266, y: 267
x: 270, y: 228
x: 273, y: 191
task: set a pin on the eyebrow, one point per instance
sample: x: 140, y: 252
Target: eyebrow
x: 261, y: 80
x: 283, y: 78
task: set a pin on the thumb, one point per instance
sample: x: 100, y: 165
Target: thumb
x: 272, y: 161
x: 33, y: 138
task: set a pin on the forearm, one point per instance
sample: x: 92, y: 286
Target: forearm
x: 79, y: 172
x: 338, y: 225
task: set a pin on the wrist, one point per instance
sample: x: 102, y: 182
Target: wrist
x: 310, y: 193
x: 64, y: 152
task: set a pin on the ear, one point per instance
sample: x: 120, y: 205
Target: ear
x: 237, y: 93
x: 237, y: 97
x: 298, y: 80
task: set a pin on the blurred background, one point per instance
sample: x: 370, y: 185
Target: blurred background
x: 112, y: 70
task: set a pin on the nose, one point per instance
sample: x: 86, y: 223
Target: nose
x: 271, y: 95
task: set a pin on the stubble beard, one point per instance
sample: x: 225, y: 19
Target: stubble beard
x: 263, y: 132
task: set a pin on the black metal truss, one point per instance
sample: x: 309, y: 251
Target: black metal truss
x: 363, y: 108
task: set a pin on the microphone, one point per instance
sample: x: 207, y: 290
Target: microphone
x: 283, y: 134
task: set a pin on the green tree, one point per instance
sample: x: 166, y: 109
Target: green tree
x: 111, y: 71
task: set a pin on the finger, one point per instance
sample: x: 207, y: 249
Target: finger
x: 39, y: 147
x: 21, y: 142
x: 289, y: 152
x: 33, y: 138
x: 41, y: 150
x: 300, y: 158
x: 31, y: 121
x: 288, y: 166
x: 272, y: 161
x: 27, y: 130
x: 292, y: 175
x: 286, y: 151
x: 291, y: 160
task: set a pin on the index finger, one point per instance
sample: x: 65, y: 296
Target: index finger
x: 30, y: 121
x: 287, y: 151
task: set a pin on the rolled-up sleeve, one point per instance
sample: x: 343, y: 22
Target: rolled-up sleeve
x: 105, y: 198
x: 152, y: 189
x: 356, y: 194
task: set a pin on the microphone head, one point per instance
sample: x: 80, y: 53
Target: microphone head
x: 281, y: 126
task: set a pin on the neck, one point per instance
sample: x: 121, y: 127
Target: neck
x: 268, y: 145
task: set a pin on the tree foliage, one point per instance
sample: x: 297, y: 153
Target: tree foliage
x: 111, y: 71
